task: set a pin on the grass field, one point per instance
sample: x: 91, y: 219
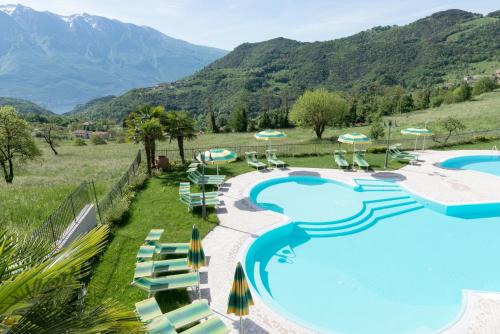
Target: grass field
x: 480, y: 114
x: 40, y: 186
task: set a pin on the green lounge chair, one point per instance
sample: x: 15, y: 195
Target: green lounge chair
x: 214, y: 177
x: 359, y: 159
x: 152, y: 268
x: 272, y: 159
x: 153, y: 285
x: 154, y: 235
x: 339, y: 156
x: 148, y: 311
x: 172, y: 248
x: 395, y: 154
x: 252, y: 160
x: 194, y: 201
x: 197, y: 178
x: 146, y: 253
x: 211, y: 326
x: 396, y: 150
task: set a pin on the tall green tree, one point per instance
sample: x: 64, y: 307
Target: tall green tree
x: 451, y: 125
x: 179, y: 125
x: 484, y: 85
x: 41, y: 289
x: 239, y: 121
x: 318, y: 109
x: 406, y: 104
x: 144, y: 126
x: 211, y: 122
x: 16, y: 143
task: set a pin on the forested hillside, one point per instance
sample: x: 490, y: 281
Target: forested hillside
x: 266, y: 74
x: 24, y: 107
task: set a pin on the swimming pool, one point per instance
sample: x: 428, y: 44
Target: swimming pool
x: 368, y: 259
x: 482, y: 163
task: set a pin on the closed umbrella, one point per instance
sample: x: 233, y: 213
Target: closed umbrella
x: 196, y: 256
x: 417, y: 132
x: 240, y: 298
x: 354, y: 139
x: 218, y: 156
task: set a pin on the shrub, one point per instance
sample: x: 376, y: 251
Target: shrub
x: 484, y: 85
x: 436, y: 101
x: 97, y: 140
x: 80, y: 142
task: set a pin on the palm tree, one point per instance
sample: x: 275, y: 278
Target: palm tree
x: 179, y: 125
x: 41, y: 289
x: 144, y: 126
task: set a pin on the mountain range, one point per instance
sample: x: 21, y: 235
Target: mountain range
x: 415, y: 55
x: 61, y: 61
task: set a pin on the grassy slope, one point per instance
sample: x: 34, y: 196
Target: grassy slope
x: 40, y: 186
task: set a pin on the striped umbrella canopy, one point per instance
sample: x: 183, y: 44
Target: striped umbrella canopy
x: 218, y: 156
x: 354, y: 139
x: 196, y: 256
x: 270, y: 135
x: 417, y: 132
x: 240, y: 298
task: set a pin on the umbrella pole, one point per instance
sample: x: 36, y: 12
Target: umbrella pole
x: 416, y: 138
x: 353, y: 153
x: 241, y: 325
x: 217, y: 169
x: 199, y: 290
x: 423, y: 144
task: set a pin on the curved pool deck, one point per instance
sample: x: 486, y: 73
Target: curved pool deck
x: 241, y: 223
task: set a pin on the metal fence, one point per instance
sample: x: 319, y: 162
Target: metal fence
x: 117, y: 190
x: 327, y: 147
x: 85, y: 193
x: 60, y: 219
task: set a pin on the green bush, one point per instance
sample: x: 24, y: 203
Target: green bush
x: 97, y: 140
x: 436, y: 101
x: 80, y: 142
x: 484, y: 85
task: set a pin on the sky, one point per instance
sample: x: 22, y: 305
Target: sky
x: 227, y: 23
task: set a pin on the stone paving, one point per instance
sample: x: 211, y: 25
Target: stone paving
x: 241, y: 223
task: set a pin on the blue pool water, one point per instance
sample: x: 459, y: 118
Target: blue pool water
x: 369, y: 259
x: 482, y: 163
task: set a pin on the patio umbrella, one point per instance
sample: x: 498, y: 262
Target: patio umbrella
x: 269, y: 135
x: 218, y: 156
x: 353, y: 139
x: 240, y: 298
x: 417, y: 132
x: 196, y: 256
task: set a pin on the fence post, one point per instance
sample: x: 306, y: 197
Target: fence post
x: 96, y: 201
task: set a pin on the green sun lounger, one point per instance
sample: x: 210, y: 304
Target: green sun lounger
x: 214, y: 177
x: 152, y: 268
x: 339, y: 157
x: 272, y: 159
x: 194, y: 201
x: 252, y: 160
x: 207, y: 179
x: 211, y: 326
x: 146, y: 253
x: 153, y: 285
x: 396, y: 150
x: 154, y: 235
x: 398, y: 155
x: 359, y: 159
x: 148, y: 310
x: 172, y: 248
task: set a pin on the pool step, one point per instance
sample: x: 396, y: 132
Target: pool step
x: 363, y: 223
x: 376, y: 185
x: 367, y: 206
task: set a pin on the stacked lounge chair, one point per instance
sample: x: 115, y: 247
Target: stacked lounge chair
x: 146, y: 268
x: 196, y: 199
x: 157, y: 322
x: 399, y: 155
x: 273, y: 160
x: 340, y: 160
x: 359, y: 159
x: 251, y: 159
x: 196, y: 177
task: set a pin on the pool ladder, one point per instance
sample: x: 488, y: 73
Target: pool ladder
x: 494, y: 148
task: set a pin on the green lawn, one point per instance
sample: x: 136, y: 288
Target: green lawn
x: 41, y: 185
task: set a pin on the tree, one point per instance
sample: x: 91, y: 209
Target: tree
x: 318, y: 109
x: 51, y: 133
x: 462, y: 93
x: 97, y: 140
x: 484, y: 85
x: 377, y: 129
x: 212, y: 126
x: 451, y: 125
x: 239, y: 121
x: 16, y: 143
x: 179, y: 125
x: 41, y: 289
x: 423, y: 99
x: 405, y: 104
x: 144, y: 126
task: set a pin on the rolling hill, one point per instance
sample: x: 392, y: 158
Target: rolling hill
x: 415, y: 55
x: 61, y: 61
x: 24, y: 107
